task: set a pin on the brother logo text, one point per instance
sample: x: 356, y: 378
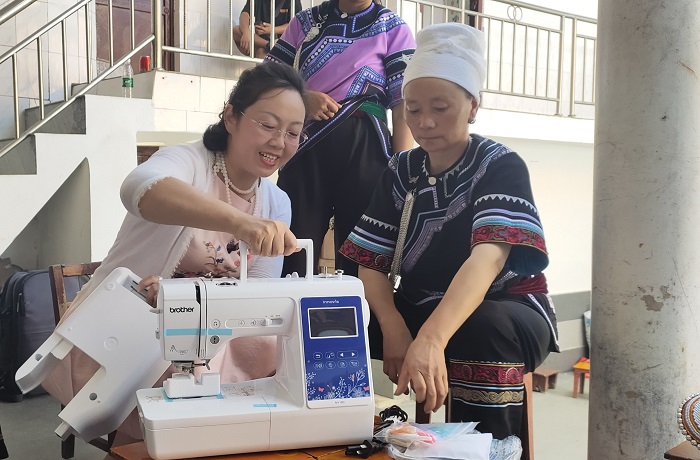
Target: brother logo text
x: 181, y: 310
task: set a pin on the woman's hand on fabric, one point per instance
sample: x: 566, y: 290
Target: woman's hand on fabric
x: 266, y: 237
x: 149, y: 287
x: 425, y: 371
x: 320, y: 106
x: 397, y: 339
x: 262, y: 28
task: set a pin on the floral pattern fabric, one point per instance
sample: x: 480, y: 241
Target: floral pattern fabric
x: 215, y: 254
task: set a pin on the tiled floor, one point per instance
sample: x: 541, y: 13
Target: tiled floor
x: 560, y: 425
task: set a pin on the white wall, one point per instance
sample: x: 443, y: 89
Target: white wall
x: 559, y: 154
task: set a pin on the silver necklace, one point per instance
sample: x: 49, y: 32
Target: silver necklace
x: 220, y: 167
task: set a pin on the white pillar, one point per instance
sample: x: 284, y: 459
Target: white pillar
x: 646, y: 244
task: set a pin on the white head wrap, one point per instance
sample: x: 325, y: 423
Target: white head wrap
x: 451, y: 51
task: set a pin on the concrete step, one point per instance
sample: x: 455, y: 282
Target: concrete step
x: 21, y: 159
x: 70, y: 121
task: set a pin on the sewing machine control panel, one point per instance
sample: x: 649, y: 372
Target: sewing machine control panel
x: 335, y: 356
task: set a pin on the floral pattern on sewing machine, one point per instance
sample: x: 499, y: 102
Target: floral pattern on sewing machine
x: 245, y: 390
x: 355, y: 385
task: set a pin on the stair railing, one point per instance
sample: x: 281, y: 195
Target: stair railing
x: 13, y: 8
x: 36, y: 38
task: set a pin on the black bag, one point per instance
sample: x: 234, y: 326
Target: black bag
x: 26, y: 321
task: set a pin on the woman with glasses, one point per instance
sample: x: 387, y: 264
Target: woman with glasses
x: 189, y: 206
x: 352, y: 54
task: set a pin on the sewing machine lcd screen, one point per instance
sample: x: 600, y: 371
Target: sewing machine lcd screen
x: 332, y: 322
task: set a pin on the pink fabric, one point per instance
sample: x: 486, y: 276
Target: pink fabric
x: 207, y: 252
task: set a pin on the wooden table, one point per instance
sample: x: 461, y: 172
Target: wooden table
x: 137, y: 451
x: 684, y: 451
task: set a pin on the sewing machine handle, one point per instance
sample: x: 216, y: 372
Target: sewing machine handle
x: 305, y: 244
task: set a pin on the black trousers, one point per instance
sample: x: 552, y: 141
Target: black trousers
x: 335, y: 177
x: 486, y: 359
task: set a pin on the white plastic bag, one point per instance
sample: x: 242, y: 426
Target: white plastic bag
x: 458, y: 441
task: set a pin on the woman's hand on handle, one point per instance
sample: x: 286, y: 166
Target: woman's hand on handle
x: 266, y: 237
x: 425, y: 370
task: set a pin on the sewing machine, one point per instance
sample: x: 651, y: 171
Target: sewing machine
x: 320, y: 395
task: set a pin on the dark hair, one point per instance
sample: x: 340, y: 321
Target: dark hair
x: 252, y: 84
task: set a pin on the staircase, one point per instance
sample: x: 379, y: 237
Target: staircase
x: 66, y: 207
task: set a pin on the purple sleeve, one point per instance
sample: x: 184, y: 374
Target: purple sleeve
x: 294, y: 34
x: 286, y: 47
x: 401, y: 46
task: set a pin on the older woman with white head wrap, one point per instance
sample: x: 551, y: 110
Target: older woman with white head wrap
x: 455, y: 223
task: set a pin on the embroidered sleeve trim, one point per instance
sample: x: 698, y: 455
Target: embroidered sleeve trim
x: 365, y: 257
x: 510, y: 235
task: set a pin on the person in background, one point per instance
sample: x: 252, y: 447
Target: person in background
x: 189, y: 206
x: 352, y: 54
x: 470, y: 312
x: 262, y: 14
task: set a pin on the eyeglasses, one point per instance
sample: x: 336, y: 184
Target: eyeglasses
x: 290, y: 137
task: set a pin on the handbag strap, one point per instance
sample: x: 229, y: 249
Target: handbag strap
x: 394, y: 274
x: 312, y: 33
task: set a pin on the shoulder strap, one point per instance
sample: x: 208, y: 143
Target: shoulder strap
x: 323, y: 11
x: 313, y: 31
x: 394, y: 274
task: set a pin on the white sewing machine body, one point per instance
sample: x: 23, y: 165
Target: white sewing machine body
x: 321, y: 394
x: 113, y: 326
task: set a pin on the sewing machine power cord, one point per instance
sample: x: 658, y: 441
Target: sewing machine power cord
x: 367, y: 447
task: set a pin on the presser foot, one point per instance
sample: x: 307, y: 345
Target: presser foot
x: 187, y: 386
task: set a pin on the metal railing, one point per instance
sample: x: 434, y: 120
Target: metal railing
x: 36, y: 38
x: 534, y: 54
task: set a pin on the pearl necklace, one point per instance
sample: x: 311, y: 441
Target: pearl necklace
x: 220, y: 167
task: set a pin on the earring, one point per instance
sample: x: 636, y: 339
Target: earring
x: 472, y: 121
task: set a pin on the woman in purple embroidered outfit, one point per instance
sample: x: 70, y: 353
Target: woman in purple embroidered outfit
x: 352, y: 54
x: 471, y: 313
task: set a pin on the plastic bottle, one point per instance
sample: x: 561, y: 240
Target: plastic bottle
x: 127, y: 79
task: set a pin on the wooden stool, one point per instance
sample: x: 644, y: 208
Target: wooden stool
x: 684, y: 451
x: 581, y: 371
x: 544, y: 378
